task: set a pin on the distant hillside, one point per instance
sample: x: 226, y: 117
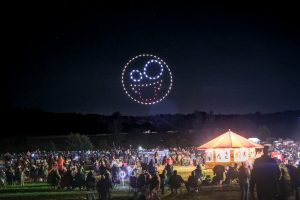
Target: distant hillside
x: 36, y: 122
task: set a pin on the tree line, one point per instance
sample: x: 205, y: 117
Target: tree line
x: 21, y: 123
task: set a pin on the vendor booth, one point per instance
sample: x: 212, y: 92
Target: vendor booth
x: 227, y: 149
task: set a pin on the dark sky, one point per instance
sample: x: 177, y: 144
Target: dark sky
x: 228, y: 58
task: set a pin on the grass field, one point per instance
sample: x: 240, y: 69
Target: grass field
x: 41, y: 191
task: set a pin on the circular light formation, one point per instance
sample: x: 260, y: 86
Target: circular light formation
x: 147, y: 79
x: 160, y: 73
x: 136, y: 72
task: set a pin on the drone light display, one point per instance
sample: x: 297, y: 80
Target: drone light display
x: 147, y: 79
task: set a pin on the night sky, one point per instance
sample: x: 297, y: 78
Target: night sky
x: 226, y: 58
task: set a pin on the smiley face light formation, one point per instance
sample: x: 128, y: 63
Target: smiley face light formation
x: 147, y: 79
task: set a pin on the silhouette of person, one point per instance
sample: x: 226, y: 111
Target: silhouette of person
x: 265, y: 175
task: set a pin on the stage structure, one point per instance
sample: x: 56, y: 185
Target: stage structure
x: 229, y: 148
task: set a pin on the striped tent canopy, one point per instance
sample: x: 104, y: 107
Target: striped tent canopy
x: 229, y: 140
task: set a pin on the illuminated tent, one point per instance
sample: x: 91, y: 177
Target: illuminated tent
x: 228, y: 148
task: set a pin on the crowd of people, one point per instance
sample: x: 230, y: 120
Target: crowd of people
x: 286, y: 149
x: 274, y: 179
x: 93, y: 169
x: 150, y: 182
x: 271, y: 178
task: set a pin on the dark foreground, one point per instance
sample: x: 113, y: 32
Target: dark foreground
x: 44, y: 192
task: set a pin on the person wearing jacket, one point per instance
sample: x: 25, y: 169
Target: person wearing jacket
x: 266, y: 174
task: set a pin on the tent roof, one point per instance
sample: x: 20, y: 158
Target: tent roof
x: 229, y: 140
